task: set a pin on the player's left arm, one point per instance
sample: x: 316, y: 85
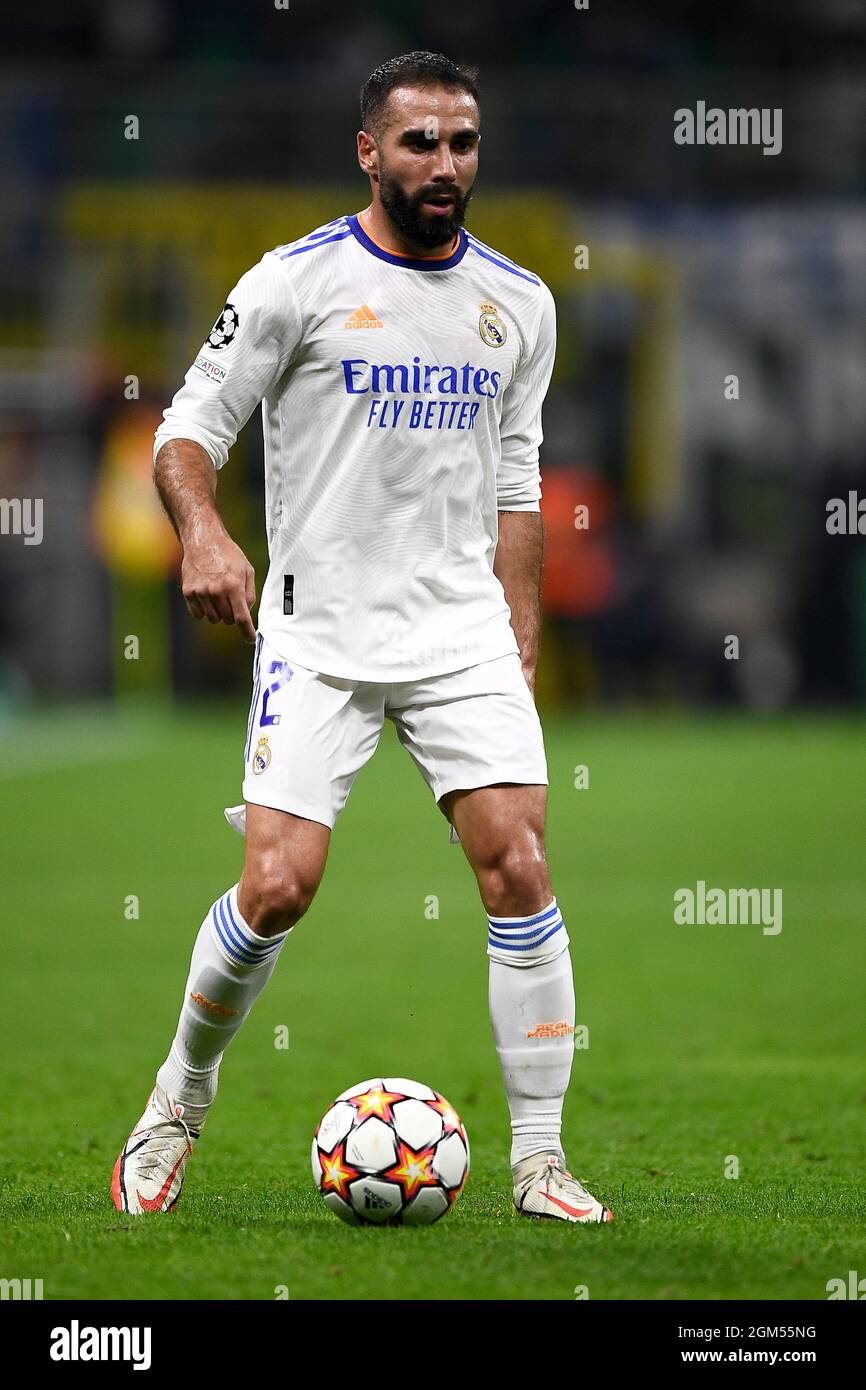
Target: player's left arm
x: 520, y: 548
x: 517, y: 565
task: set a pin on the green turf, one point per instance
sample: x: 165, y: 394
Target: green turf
x: 705, y: 1041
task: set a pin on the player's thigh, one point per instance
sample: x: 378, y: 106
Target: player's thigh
x: 477, y: 727
x: 308, y: 735
x: 491, y: 821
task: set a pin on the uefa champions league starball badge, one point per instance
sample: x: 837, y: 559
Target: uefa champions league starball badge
x: 224, y: 329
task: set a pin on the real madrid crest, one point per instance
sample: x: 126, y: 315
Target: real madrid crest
x: 262, y: 755
x: 490, y: 326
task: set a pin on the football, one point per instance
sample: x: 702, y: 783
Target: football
x: 390, y: 1152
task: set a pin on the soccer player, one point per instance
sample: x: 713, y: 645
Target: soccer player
x: 401, y: 365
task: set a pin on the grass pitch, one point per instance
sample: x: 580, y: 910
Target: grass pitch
x: 708, y: 1044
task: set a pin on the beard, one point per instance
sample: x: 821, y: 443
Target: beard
x: 418, y: 227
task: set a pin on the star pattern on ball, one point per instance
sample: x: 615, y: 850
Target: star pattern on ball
x: 336, y: 1172
x: 377, y: 1101
x: 450, y: 1119
x: 412, y: 1170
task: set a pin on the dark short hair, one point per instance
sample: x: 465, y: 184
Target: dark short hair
x: 418, y: 69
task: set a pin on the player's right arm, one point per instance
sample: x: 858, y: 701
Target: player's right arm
x: 244, y: 355
x: 217, y: 579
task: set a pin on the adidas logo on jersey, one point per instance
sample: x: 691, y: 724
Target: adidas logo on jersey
x: 363, y: 318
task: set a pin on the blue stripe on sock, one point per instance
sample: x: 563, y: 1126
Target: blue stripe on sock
x: 509, y: 946
x: 504, y: 937
x: 235, y: 941
x: 224, y: 941
x: 230, y: 927
x: 242, y: 941
x: 513, y: 923
x: 540, y: 934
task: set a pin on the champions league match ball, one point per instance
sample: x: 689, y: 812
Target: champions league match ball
x: 390, y: 1152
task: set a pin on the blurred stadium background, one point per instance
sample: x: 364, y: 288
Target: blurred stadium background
x: 706, y: 515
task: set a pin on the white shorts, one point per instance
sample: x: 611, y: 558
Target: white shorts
x: 309, y: 735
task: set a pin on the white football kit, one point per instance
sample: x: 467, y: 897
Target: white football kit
x: 401, y: 405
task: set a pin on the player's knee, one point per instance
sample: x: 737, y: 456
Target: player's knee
x: 276, y: 899
x: 516, y: 878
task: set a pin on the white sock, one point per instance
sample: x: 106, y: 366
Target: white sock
x: 230, y: 967
x: 532, y: 1013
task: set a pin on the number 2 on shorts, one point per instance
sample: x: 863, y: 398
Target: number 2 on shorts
x: 285, y: 675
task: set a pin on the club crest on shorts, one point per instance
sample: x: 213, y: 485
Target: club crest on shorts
x: 262, y: 755
x: 490, y: 326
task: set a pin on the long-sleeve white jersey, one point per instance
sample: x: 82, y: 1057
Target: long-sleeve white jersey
x: 401, y: 403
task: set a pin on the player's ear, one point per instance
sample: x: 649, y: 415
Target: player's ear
x: 368, y: 154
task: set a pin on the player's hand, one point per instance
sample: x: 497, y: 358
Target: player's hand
x: 219, y: 583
